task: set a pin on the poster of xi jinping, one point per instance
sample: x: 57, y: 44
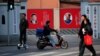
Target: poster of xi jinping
x: 38, y: 17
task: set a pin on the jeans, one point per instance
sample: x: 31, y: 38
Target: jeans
x: 51, y: 40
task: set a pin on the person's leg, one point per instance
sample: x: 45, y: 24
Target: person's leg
x: 80, y: 45
x: 82, y: 48
x: 90, y: 48
x: 51, y: 40
x: 24, y: 39
x: 21, y: 38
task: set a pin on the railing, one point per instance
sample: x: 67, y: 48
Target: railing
x: 62, y: 31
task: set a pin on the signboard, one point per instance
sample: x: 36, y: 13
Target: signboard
x: 88, y: 13
x: 38, y: 17
x: 70, y: 18
x: 95, y: 22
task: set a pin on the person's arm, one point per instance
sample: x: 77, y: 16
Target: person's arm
x: 80, y: 30
x: 27, y: 24
x: 53, y: 30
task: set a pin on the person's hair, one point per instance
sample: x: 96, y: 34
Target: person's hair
x: 69, y: 15
x: 88, y: 21
x: 47, y: 22
x: 85, y: 16
x: 24, y: 14
x: 32, y: 15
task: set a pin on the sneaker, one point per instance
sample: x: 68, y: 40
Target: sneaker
x: 91, y: 54
x: 21, y: 45
x: 18, y: 44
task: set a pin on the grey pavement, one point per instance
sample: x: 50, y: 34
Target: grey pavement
x: 72, y: 50
x: 48, y: 51
x: 32, y: 39
x: 71, y: 39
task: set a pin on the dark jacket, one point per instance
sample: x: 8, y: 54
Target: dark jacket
x: 47, y: 30
x: 23, y: 25
x: 80, y: 30
x: 87, y: 28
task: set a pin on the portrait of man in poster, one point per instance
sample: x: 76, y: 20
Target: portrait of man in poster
x: 68, y: 18
x: 33, y: 19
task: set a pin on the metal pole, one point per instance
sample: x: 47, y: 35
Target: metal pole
x: 14, y: 12
x: 8, y: 28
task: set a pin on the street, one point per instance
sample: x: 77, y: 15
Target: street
x: 48, y: 51
x: 32, y: 50
x: 22, y: 22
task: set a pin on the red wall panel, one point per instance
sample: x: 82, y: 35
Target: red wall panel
x: 75, y: 14
x: 42, y: 16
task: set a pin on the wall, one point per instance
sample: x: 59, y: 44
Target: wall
x: 95, y: 26
x: 83, y: 5
x: 23, y: 10
x: 50, y: 4
x: 11, y: 26
x: 56, y: 19
x: 65, y: 5
x: 33, y: 4
x: 46, y: 4
x: 42, y: 4
x: 3, y: 11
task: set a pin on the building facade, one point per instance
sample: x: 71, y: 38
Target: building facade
x: 9, y: 21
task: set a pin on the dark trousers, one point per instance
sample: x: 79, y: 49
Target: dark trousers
x: 82, y: 48
x: 22, y: 37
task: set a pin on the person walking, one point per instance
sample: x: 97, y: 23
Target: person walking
x: 84, y: 30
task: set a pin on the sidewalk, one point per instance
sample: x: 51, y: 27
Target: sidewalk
x: 32, y: 39
x: 32, y: 50
x: 73, y: 48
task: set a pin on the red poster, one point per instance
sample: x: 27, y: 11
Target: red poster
x: 38, y: 17
x: 70, y: 18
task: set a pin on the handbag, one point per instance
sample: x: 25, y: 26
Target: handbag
x: 88, y: 40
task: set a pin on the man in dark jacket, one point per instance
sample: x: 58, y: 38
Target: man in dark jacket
x: 23, y: 26
x: 47, y: 30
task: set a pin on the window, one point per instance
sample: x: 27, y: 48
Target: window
x: 22, y: 7
x: 3, y: 19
